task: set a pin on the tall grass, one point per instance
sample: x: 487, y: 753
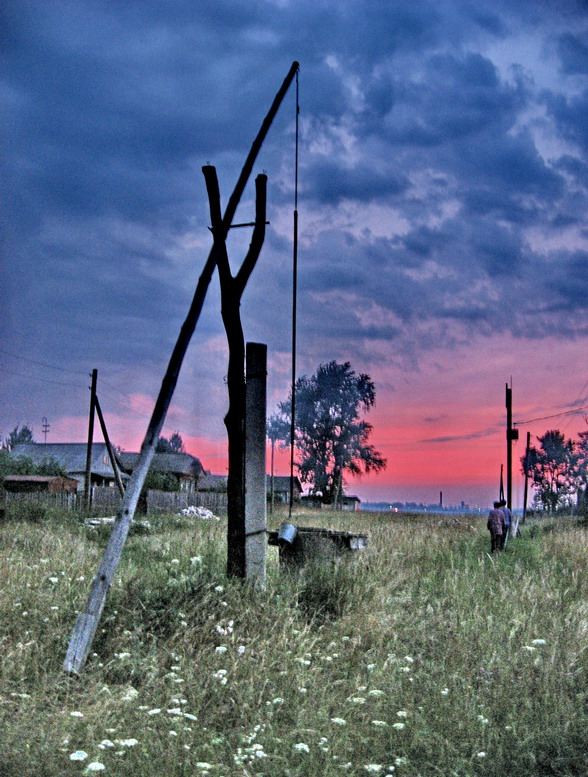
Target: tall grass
x: 421, y: 656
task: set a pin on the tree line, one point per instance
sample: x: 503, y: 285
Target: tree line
x: 558, y: 470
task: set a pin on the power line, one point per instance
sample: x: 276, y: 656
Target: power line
x: 41, y: 364
x: 43, y: 380
x: 555, y: 415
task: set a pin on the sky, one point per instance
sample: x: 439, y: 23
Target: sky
x: 443, y: 229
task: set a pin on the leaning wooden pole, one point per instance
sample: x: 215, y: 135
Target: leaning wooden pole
x: 85, y: 627
x: 109, y: 448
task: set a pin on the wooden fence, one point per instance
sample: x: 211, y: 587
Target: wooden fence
x: 174, y: 501
x: 108, y: 500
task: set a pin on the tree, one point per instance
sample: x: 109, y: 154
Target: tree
x: 18, y: 436
x: 553, y: 468
x: 330, y: 437
x: 175, y: 444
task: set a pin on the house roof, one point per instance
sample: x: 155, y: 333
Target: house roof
x: 181, y: 464
x: 282, y: 483
x: 69, y: 455
x: 36, y: 478
x: 210, y: 482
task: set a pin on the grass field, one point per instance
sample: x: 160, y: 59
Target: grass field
x: 420, y: 656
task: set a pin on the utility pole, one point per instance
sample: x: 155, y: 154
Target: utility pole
x: 88, y: 484
x: 528, y: 448
x: 511, y: 434
x: 45, y: 427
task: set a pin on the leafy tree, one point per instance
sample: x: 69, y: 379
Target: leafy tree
x: 161, y: 481
x: 175, y: 444
x: 20, y: 434
x: 553, y: 468
x: 330, y: 437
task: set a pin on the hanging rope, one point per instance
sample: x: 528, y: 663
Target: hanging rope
x: 294, y: 300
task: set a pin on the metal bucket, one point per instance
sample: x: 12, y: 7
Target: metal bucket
x: 287, y: 533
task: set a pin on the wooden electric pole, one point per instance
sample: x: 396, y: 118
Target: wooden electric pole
x: 511, y: 434
x: 88, y: 478
x: 526, y: 490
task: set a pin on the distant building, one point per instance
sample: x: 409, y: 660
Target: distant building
x: 282, y: 488
x: 47, y: 484
x: 71, y: 457
x: 186, y: 468
x: 218, y: 484
x: 346, y: 503
x: 213, y: 483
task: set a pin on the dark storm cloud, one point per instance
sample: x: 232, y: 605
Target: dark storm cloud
x: 425, y: 191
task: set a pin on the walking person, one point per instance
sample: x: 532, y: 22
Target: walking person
x: 496, y: 527
x: 507, y: 521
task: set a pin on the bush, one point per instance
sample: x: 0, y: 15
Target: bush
x: 32, y: 512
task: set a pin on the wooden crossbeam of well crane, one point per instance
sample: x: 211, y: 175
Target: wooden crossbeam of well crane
x: 87, y: 621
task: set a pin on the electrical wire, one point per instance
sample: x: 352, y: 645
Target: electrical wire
x: 555, y: 415
x: 43, y: 380
x: 39, y: 363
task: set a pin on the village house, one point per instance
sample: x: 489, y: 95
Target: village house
x: 218, y: 484
x: 71, y: 457
x: 45, y: 484
x: 186, y: 468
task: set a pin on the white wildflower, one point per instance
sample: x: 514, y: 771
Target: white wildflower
x: 371, y: 667
x: 409, y: 659
x: 195, y: 559
x: 175, y: 561
x: 302, y: 747
x: 127, y: 742
x: 339, y: 721
x: 79, y: 755
x: 76, y: 714
x: 483, y: 720
x: 402, y: 714
x: 278, y: 701
x: 241, y: 649
x: 482, y: 754
x: 105, y: 743
x: 357, y: 700
x: 130, y: 694
x: 189, y: 716
x: 376, y: 692
x: 174, y: 711
x: 399, y: 726
x: 203, y: 765
x: 399, y: 761
x: 154, y: 711
x: 538, y: 642
x: 95, y: 766
x: 221, y: 649
x: 379, y: 723
x: 53, y: 580
x: 444, y: 691
x: 373, y: 768
x: 219, y: 589
x: 530, y: 648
